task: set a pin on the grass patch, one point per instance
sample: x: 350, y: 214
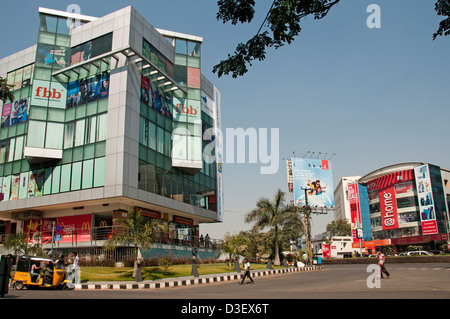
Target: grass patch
x: 155, y: 272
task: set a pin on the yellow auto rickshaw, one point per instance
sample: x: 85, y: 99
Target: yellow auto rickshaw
x: 39, y: 272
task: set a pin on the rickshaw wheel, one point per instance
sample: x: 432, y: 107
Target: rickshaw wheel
x: 19, y: 285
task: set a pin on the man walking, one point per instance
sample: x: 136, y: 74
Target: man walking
x: 247, y: 272
x: 381, y: 261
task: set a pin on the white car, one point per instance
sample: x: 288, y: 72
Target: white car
x: 418, y: 253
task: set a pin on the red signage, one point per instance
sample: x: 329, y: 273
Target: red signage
x: 355, y: 218
x: 75, y: 228
x: 388, y: 208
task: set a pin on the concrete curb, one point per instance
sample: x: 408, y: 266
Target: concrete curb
x: 186, y: 281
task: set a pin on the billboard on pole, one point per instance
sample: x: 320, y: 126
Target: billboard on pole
x: 314, y: 175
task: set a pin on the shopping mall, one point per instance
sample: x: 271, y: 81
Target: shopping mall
x: 396, y: 206
x: 110, y: 115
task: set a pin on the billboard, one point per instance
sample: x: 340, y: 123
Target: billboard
x: 51, y: 94
x: 313, y: 178
x: 426, y: 203
x: 355, y: 211
x: 14, y: 113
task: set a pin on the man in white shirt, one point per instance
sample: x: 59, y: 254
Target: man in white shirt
x: 247, y: 272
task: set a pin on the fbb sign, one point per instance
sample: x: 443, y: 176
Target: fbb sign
x: 52, y: 94
x: 186, y: 111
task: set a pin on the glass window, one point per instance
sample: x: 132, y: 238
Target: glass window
x: 63, y: 28
x: 56, y: 177
x: 12, y: 146
x: 101, y: 127
x: 18, y: 152
x: 152, y: 135
x: 180, y: 74
x: 54, y: 133
x: 48, y: 181
x: 65, y: 177
x: 194, y: 48
x: 99, y: 172
x: 4, y: 148
x: 36, y: 134
x: 88, y: 174
x: 160, y: 140
x: 92, y: 129
x: 79, y: 132
x: 76, y: 176
x: 180, y: 46
x: 48, y: 23
x: 69, y: 134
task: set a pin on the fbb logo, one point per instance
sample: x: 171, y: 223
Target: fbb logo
x: 47, y: 93
x: 186, y: 110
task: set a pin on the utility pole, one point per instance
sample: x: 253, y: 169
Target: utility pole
x: 307, y: 215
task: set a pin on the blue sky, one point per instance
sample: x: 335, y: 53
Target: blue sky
x: 374, y: 97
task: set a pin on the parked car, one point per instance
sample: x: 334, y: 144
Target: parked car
x: 416, y: 253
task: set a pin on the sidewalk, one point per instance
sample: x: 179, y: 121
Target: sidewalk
x: 186, y: 281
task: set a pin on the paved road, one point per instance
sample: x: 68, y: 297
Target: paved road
x: 424, y: 281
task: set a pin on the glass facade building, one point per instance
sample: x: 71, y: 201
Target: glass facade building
x: 110, y: 114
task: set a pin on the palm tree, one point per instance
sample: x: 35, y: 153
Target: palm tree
x: 20, y: 245
x: 134, y: 231
x: 233, y: 245
x: 275, y: 215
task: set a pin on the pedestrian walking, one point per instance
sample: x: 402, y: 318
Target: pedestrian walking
x: 247, y: 272
x: 381, y: 263
x: 76, y: 267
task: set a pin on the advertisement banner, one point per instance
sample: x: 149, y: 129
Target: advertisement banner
x: 75, y: 228
x: 155, y: 98
x: 314, y: 175
x: 88, y: 89
x: 388, y: 208
x: 14, y: 113
x: 355, y: 214
x: 52, y: 94
x: 219, y: 154
x: 326, y: 251
x: 426, y: 203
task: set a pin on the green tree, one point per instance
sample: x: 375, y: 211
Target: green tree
x: 6, y: 90
x: 234, y: 245
x: 19, y: 244
x: 280, y: 26
x: 340, y: 227
x: 277, y: 216
x: 133, y: 231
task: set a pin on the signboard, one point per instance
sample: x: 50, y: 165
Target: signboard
x: 314, y: 175
x: 355, y: 214
x: 51, y: 94
x: 426, y: 203
x: 75, y: 228
x: 388, y: 208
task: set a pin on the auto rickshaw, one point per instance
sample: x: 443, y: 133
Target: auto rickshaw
x: 28, y: 273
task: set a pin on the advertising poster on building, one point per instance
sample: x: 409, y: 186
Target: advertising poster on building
x: 14, y: 113
x: 219, y: 153
x: 51, y: 94
x: 155, y: 98
x: 314, y: 175
x: 426, y: 204
x: 88, y: 89
x: 75, y: 228
x: 355, y: 213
